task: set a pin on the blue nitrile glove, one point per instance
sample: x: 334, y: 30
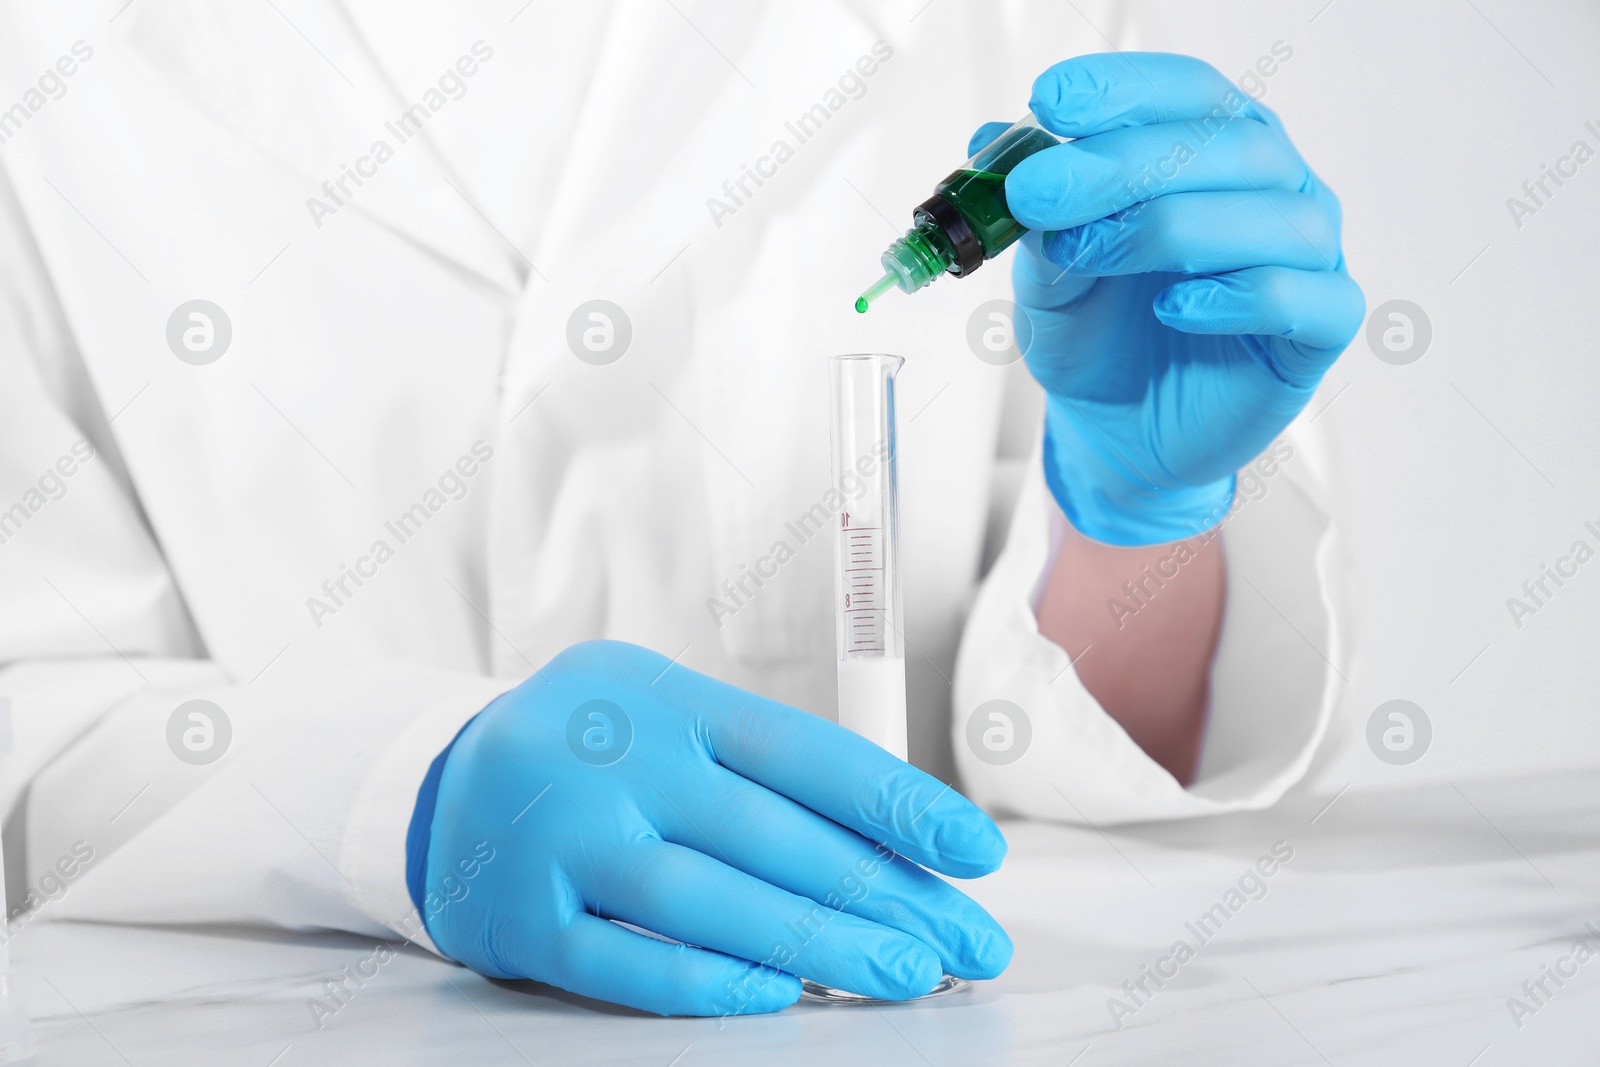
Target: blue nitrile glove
x: 1184, y: 283
x: 616, y: 785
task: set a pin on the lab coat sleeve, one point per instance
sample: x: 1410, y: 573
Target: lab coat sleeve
x: 1055, y: 753
x: 301, y: 822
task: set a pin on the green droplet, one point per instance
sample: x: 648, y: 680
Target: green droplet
x: 861, y: 304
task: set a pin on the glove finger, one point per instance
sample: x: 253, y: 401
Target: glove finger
x: 1200, y: 233
x: 782, y: 843
x: 1093, y: 177
x: 837, y: 774
x: 594, y: 957
x: 1092, y: 94
x: 687, y: 895
x: 984, y: 135
x: 1316, y: 312
x: 1039, y: 284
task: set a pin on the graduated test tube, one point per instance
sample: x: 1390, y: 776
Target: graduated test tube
x: 870, y: 634
x: 872, y: 666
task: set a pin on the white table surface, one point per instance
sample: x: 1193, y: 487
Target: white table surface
x: 1396, y: 934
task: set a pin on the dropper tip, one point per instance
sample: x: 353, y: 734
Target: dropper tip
x: 877, y: 289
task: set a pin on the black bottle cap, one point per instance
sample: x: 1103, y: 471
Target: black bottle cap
x: 968, y: 249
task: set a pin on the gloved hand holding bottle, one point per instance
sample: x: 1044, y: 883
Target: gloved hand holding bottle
x: 1180, y: 273
x: 766, y: 842
x: 1184, y: 284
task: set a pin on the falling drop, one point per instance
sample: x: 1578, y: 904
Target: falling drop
x: 879, y: 287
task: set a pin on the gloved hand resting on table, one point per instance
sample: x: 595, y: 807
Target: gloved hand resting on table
x: 614, y: 784
x: 1184, y: 283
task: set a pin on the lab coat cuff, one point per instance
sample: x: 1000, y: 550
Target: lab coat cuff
x: 1029, y: 739
x: 385, y: 805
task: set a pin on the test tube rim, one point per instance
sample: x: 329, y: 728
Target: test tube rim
x: 899, y: 361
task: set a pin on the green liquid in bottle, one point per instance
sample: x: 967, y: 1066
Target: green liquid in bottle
x: 977, y: 192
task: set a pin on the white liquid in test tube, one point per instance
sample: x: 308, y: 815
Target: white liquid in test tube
x: 870, y: 691
x: 872, y: 668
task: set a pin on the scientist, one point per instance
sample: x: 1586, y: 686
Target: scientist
x: 386, y: 389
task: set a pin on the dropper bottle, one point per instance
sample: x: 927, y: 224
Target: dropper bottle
x: 966, y: 221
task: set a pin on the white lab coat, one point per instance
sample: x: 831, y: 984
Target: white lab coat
x: 374, y: 353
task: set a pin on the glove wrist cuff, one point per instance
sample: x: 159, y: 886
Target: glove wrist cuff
x: 419, y: 833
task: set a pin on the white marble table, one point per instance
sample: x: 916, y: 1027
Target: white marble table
x: 1395, y: 935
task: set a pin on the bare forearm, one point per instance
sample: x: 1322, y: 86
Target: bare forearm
x: 1142, y: 625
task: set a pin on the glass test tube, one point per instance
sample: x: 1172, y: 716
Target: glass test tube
x: 872, y: 666
x: 870, y: 633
